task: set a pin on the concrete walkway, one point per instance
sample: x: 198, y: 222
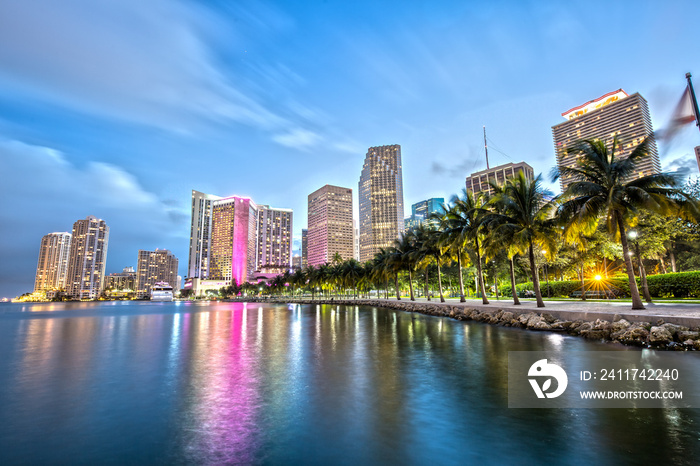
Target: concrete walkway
x: 681, y: 314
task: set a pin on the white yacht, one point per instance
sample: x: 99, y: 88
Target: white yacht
x: 162, y: 291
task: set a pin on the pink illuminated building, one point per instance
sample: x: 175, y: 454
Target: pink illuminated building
x: 233, y: 239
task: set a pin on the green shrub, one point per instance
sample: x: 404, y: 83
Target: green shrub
x: 675, y: 285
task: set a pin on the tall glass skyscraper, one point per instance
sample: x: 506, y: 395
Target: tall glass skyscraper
x: 330, y: 225
x: 381, y: 200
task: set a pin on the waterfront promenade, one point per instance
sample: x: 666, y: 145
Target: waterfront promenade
x: 670, y: 312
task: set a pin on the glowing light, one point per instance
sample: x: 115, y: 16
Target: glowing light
x: 598, y: 278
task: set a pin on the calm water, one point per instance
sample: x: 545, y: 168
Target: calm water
x: 224, y: 383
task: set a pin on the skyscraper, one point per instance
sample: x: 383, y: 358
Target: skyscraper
x: 153, y: 267
x: 614, y: 114
x: 87, y: 258
x: 200, y: 235
x: 330, y: 225
x: 479, y: 181
x: 421, y: 211
x: 697, y: 155
x: 233, y: 239
x: 381, y: 200
x: 52, y: 266
x: 274, y: 249
x: 304, y: 247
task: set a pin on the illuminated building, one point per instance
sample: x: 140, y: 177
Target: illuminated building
x: 330, y: 225
x: 200, y: 234
x: 697, y: 155
x: 87, y: 258
x: 153, y: 267
x: 233, y: 239
x: 304, y: 247
x: 421, y: 211
x: 52, y: 266
x: 121, y: 285
x: 274, y: 239
x: 381, y: 200
x: 296, y: 262
x: 614, y: 114
x: 478, y: 182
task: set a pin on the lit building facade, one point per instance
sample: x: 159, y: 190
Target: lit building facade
x: 87, y: 258
x: 330, y: 229
x: 233, y: 239
x: 421, y: 211
x: 200, y: 234
x: 304, y: 247
x: 121, y: 284
x: 478, y: 182
x: 274, y: 242
x: 52, y: 266
x: 614, y: 114
x: 697, y: 155
x: 154, y: 267
x: 381, y: 200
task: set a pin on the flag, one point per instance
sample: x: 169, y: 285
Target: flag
x: 682, y: 115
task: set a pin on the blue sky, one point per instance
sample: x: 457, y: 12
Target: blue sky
x: 119, y: 109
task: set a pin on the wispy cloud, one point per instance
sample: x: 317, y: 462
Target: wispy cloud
x: 141, y: 61
x: 298, y: 138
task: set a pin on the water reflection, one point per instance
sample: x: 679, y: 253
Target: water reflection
x: 224, y: 383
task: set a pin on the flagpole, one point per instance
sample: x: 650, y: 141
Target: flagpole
x: 695, y: 102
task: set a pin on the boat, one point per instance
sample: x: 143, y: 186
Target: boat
x: 162, y: 291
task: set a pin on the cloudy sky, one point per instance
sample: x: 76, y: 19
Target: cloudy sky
x: 119, y: 108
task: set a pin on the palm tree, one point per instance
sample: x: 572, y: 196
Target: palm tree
x: 523, y: 214
x: 424, y: 251
x: 405, y: 248
x: 464, y: 228
x: 382, y: 269
x: 604, y: 188
x: 352, y: 273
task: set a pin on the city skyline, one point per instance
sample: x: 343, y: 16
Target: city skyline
x: 79, y: 137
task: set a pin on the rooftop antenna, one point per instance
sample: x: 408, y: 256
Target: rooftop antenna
x: 486, y: 149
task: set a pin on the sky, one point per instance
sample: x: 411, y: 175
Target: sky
x: 119, y: 108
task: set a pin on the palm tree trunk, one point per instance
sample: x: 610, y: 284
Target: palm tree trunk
x: 442, y: 298
x: 461, y: 280
x: 516, y: 301
x: 663, y: 265
x: 634, y: 291
x: 410, y: 284
x: 484, y: 299
x: 583, y: 285
x: 643, y: 275
x: 396, y: 282
x: 535, y: 277
x: 427, y: 294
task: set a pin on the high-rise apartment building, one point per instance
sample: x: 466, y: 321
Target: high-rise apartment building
x: 304, y: 247
x: 274, y: 245
x: 200, y: 235
x: 87, y: 258
x: 615, y: 114
x: 330, y: 229
x: 478, y: 182
x: 155, y: 267
x: 421, y: 212
x: 697, y: 155
x: 381, y: 200
x: 233, y: 239
x: 52, y: 266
